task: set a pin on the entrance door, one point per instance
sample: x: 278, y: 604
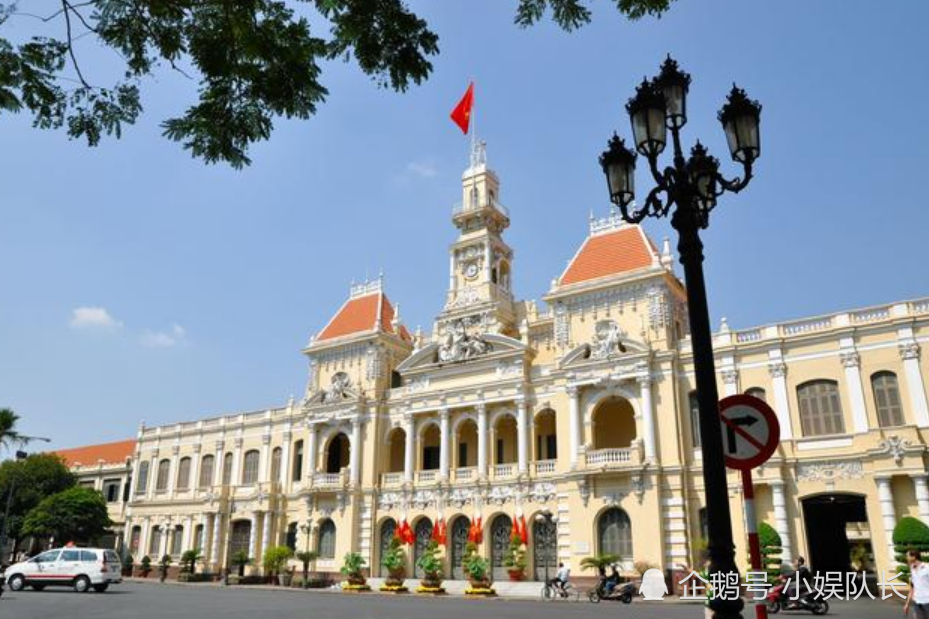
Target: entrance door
x: 826, y: 517
x: 500, y: 532
x: 544, y: 549
x: 459, y: 540
x: 423, y: 535
x: 388, y: 528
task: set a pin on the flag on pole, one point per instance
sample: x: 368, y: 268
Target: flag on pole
x: 461, y: 115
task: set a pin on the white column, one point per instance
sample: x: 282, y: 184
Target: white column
x: 193, y: 478
x: 237, y: 462
x: 922, y: 495
x: 217, y: 528
x: 409, y: 448
x: 888, y: 514
x: 264, y: 464
x: 287, y: 467
x: 522, y: 434
x: 481, y: 440
x: 201, y: 540
x: 218, y: 463
x: 266, y: 533
x: 311, y: 457
x: 851, y: 361
x: 909, y: 353
x: 253, y: 537
x: 186, y: 543
x: 443, y: 443
x: 730, y: 381
x: 152, y: 475
x: 167, y: 532
x: 781, y: 521
x: 574, y: 424
x: 778, y: 371
x: 172, y: 470
x: 146, y: 525
x: 355, y: 460
x: 648, y: 417
x: 451, y: 271
x: 135, y: 475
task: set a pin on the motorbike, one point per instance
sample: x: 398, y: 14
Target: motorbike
x: 779, y: 599
x: 622, y: 592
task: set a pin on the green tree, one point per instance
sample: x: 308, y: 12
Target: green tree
x: 9, y: 436
x: 771, y: 547
x: 598, y: 562
x: 76, y: 514
x: 275, y: 559
x: 32, y: 479
x: 253, y: 60
x: 909, y: 534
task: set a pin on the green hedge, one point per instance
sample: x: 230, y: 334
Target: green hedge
x: 771, y: 547
x: 909, y: 534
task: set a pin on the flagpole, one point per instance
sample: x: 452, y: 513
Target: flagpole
x: 472, y: 159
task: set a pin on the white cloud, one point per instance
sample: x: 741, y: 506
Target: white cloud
x: 93, y: 318
x: 422, y: 169
x: 176, y: 336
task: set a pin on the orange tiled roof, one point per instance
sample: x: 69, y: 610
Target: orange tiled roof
x: 610, y: 253
x: 110, y: 453
x: 361, y: 314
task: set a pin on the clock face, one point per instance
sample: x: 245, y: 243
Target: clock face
x: 471, y: 270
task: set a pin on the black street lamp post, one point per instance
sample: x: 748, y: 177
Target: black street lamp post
x: 548, y: 519
x: 692, y: 186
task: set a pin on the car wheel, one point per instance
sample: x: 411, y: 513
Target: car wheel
x: 16, y: 582
x: 38, y: 587
x: 81, y: 584
x: 101, y: 587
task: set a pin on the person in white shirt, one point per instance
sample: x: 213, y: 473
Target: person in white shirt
x: 919, y: 587
x: 561, y: 579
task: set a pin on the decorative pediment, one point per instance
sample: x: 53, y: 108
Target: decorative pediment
x: 493, y: 345
x: 339, y: 391
x: 608, y: 343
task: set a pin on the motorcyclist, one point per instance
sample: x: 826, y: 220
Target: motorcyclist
x: 611, y: 581
x: 803, y: 579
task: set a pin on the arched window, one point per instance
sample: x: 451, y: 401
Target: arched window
x: 142, y: 482
x: 887, y: 399
x: 326, y: 544
x: 250, y: 468
x: 241, y: 537
x: 291, y: 539
x: 154, y: 544
x: 820, y: 408
x: 337, y: 456
x: 614, y: 532
x: 177, y: 542
x: 757, y: 392
x: 297, y: 466
x: 227, y: 469
x: 694, y: 418
x: 276, y: 464
x: 183, y: 474
x: 134, y: 538
x: 196, y: 541
x: 206, y: 472
x: 164, y: 470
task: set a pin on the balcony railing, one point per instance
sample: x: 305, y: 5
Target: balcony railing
x: 465, y: 473
x: 545, y: 467
x: 476, y: 205
x: 392, y: 479
x: 427, y: 476
x: 612, y: 455
x: 504, y: 470
x: 328, y: 479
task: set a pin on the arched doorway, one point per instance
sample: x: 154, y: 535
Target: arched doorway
x: 613, y: 423
x: 500, y: 530
x: 826, y: 518
x: 241, y: 537
x: 337, y: 456
x: 544, y: 549
x: 458, y: 541
x: 614, y: 533
x: 423, y: 535
x: 388, y: 529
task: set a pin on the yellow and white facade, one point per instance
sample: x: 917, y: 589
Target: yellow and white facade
x: 582, y: 408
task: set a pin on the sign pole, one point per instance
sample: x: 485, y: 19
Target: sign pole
x: 751, y: 526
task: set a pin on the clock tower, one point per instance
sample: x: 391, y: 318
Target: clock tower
x: 480, y: 294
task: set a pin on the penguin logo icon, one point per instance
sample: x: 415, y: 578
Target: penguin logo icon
x: 653, y: 585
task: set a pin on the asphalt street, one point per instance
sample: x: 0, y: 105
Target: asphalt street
x: 154, y: 601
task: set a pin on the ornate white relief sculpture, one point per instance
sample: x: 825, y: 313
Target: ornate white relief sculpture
x: 827, y: 471
x: 657, y: 307
x: 607, y: 340
x: 542, y: 492
x: 465, y: 296
x: 460, y: 497
x: 459, y: 345
x: 337, y: 388
x: 424, y: 498
x: 895, y: 446
x: 389, y: 500
x: 500, y: 495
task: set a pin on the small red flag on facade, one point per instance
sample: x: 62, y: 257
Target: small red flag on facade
x: 461, y: 115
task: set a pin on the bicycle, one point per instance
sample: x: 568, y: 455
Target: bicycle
x: 570, y: 592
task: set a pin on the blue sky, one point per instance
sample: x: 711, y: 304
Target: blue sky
x: 200, y: 284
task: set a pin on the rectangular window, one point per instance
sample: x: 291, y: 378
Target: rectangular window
x: 70, y: 555
x: 126, y: 487
x: 695, y: 419
x: 88, y: 556
x: 820, y: 408
x: 462, y: 455
x: 551, y: 447
x: 142, y: 484
x: 297, y: 467
x: 500, y: 451
x: 430, y: 458
x: 111, y: 489
x: 887, y: 399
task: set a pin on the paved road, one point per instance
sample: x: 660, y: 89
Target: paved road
x: 153, y: 601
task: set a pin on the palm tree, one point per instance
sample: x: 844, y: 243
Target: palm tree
x: 8, y: 434
x: 599, y: 562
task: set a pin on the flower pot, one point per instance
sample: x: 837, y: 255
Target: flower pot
x: 516, y: 575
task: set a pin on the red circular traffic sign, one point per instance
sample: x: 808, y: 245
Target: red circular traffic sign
x: 751, y: 431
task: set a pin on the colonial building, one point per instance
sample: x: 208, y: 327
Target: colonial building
x: 583, y: 406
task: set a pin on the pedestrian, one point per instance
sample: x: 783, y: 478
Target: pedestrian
x: 919, y: 586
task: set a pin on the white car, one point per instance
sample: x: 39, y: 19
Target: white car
x: 81, y: 568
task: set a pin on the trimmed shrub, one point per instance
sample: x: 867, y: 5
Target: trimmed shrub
x: 909, y: 534
x: 771, y: 547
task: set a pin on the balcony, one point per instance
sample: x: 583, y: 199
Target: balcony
x: 503, y: 471
x: 466, y: 473
x: 392, y: 479
x: 427, y: 477
x: 328, y: 480
x: 545, y: 467
x: 473, y: 205
x: 610, y: 456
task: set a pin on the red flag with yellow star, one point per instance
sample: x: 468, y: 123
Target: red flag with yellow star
x: 461, y: 115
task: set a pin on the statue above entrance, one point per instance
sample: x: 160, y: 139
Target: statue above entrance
x: 459, y: 345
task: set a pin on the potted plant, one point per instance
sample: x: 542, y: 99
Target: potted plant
x: 163, y: 567
x: 188, y: 565
x: 240, y: 559
x: 353, y: 569
x: 305, y: 557
x: 431, y: 565
x: 395, y: 561
x: 515, y: 559
x: 127, y: 564
x: 287, y: 577
x: 276, y: 557
x: 145, y: 566
x: 478, y: 570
